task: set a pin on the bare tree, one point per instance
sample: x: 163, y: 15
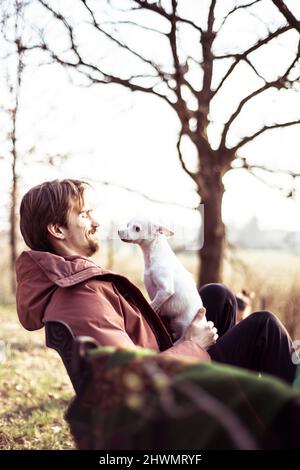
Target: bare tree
x: 189, y: 67
x: 11, y: 28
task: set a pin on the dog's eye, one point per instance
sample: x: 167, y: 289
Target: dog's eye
x: 137, y: 229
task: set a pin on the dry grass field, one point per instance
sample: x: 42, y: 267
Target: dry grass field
x: 35, y: 390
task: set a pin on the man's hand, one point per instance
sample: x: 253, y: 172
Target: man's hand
x: 202, y: 333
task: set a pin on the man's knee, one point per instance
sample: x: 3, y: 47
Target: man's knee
x: 215, y: 289
x: 265, y: 317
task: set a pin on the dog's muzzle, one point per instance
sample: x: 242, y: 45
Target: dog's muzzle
x: 122, y: 235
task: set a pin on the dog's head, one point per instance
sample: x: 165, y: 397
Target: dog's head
x: 141, y: 229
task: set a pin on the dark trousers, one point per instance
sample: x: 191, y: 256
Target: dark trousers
x: 260, y: 342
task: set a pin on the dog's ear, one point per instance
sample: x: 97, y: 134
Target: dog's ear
x: 165, y: 231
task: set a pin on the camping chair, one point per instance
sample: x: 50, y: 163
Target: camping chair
x: 71, y: 349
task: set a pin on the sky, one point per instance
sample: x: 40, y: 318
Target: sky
x: 129, y: 139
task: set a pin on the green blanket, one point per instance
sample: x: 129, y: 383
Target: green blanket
x: 142, y: 400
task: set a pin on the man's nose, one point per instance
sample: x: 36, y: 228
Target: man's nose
x: 95, y: 223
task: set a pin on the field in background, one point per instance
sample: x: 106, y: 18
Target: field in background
x: 274, y: 277
x: 35, y: 390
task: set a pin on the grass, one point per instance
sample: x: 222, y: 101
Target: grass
x: 35, y: 390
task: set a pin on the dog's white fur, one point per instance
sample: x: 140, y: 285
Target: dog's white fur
x: 170, y: 286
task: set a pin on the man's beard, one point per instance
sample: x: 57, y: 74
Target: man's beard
x: 93, y: 247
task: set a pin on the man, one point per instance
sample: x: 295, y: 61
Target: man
x: 58, y: 281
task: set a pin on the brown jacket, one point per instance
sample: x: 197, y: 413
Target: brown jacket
x: 93, y: 302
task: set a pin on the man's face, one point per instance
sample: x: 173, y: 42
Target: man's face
x: 81, y: 236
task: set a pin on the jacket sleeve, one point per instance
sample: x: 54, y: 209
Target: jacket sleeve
x: 188, y: 348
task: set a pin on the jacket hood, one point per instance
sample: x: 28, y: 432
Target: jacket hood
x: 39, y: 274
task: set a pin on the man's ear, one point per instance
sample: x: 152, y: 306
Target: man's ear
x: 56, y: 231
x: 165, y: 231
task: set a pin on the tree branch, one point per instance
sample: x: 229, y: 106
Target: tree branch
x: 157, y: 8
x: 181, y: 107
x: 180, y: 156
x: 132, y: 23
x: 243, y: 55
x: 236, y: 8
x: 291, y: 19
x: 68, y: 27
x: 207, y: 40
x: 140, y: 193
x: 290, y: 193
x: 281, y: 82
x: 96, y: 25
x: 121, y: 44
x: 249, y: 138
x: 248, y: 61
x: 179, y: 68
x: 106, y: 78
x: 248, y: 166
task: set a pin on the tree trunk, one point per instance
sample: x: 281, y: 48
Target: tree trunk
x: 13, y: 230
x: 211, y: 254
x: 14, y: 112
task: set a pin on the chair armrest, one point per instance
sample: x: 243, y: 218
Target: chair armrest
x: 71, y: 349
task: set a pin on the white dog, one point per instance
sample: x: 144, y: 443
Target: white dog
x: 170, y: 286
